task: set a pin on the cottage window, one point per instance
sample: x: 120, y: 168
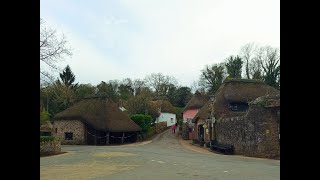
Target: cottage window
x: 46, y: 134
x: 241, y: 107
x: 234, y: 107
x: 68, y: 136
x: 171, y: 120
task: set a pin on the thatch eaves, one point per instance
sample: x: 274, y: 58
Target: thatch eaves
x: 197, y: 101
x: 245, y: 90
x: 267, y: 101
x: 239, y: 91
x: 163, y: 105
x: 101, y: 113
x: 204, y: 112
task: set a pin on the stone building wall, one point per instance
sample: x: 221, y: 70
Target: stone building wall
x: 73, y: 126
x: 50, y: 148
x: 256, y: 134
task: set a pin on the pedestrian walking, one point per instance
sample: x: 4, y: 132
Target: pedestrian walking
x: 173, y: 128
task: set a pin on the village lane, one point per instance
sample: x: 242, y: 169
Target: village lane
x: 165, y: 157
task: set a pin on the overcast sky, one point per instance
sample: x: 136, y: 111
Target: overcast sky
x: 116, y: 39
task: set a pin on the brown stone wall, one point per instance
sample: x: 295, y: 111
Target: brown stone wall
x: 256, y: 134
x: 50, y: 148
x: 185, y: 131
x: 161, y: 126
x: 74, y: 126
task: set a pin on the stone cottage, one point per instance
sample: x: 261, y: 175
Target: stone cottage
x: 247, y: 116
x: 94, y: 121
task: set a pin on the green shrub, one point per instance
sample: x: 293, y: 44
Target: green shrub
x: 151, y: 132
x: 144, y: 121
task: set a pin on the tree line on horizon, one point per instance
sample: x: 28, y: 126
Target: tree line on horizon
x: 253, y: 62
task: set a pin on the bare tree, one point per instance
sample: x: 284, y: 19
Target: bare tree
x: 160, y: 83
x: 195, y: 87
x: 269, y: 58
x: 139, y: 86
x: 255, y: 68
x: 247, y: 53
x: 52, y: 49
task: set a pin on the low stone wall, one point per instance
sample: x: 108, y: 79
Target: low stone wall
x: 185, y: 131
x: 255, y: 135
x: 160, y: 127
x: 50, y: 148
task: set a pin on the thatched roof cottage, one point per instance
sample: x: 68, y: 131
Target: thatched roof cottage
x: 233, y: 96
x: 95, y: 121
x: 193, y: 106
x: 247, y: 114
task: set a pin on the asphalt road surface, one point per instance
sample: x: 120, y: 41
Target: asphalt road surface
x: 165, y: 157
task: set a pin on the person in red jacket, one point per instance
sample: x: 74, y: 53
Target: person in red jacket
x: 173, y: 128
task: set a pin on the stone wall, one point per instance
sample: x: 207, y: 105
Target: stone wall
x: 75, y: 126
x: 256, y: 134
x: 50, y: 148
x: 161, y: 126
x: 185, y: 131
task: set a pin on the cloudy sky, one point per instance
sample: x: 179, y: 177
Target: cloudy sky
x: 116, y: 39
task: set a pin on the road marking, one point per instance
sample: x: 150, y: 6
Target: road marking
x: 160, y: 161
x: 225, y: 171
x: 153, y: 160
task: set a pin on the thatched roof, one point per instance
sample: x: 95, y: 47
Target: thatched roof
x: 267, y: 101
x: 245, y: 90
x: 204, y: 112
x: 239, y: 91
x: 101, y: 113
x: 46, y: 127
x: 197, y: 101
x: 164, y: 105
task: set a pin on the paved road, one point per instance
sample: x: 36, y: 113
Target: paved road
x: 163, y: 158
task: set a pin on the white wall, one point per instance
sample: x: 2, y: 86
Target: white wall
x: 167, y: 117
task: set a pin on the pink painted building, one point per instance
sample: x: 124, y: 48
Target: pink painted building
x: 192, y: 108
x: 189, y: 114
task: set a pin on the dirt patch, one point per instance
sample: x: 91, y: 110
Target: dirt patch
x: 84, y: 170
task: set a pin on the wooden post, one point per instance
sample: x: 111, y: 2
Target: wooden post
x: 107, y: 138
x: 85, y: 141
x: 136, y: 136
x: 122, y: 139
x: 95, y: 137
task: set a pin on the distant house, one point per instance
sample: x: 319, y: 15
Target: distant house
x: 192, y: 108
x: 95, y: 121
x: 169, y: 118
x: 203, y: 130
